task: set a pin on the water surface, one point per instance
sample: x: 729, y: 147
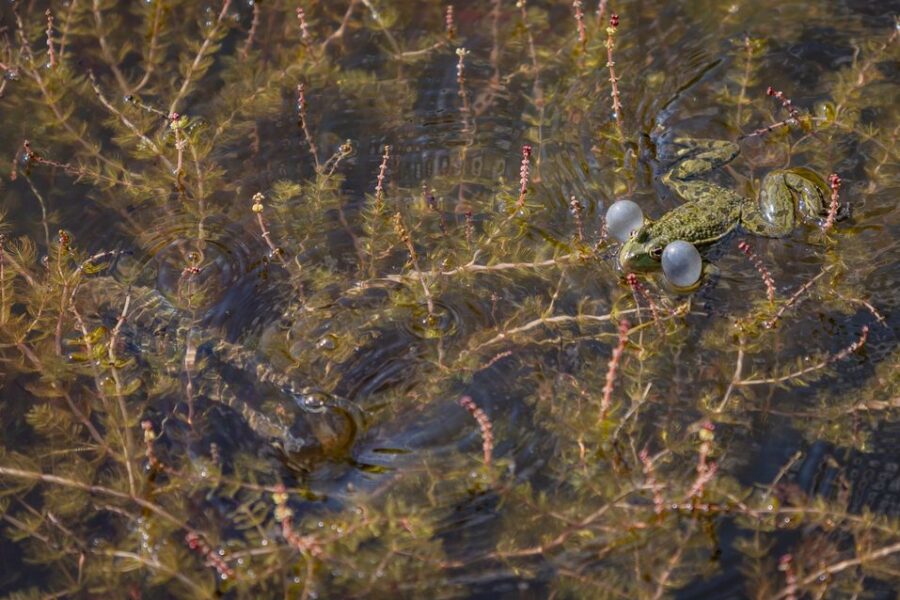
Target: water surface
x: 238, y: 316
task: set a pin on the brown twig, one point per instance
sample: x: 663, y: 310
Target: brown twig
x: 825, y: 572
x: 127, y: 122
x: 859, y: 343
x: 338, y: 33
x: 106, y: 51
x: 794, y: 297
x: 152, y: 46
x: 867, y: 305
x: 198, y: 58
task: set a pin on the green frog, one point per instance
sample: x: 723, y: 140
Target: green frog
x: 711, y: 212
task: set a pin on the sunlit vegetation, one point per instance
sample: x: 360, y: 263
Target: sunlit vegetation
x: 307, y: 299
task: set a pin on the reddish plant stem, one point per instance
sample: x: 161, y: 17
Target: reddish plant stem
x: 786, y: 566
x: 859, y: 343
x: 761, y: 268
x: 578, y: 5
x: 785, y: 102
x: 302, y: 122
x: 659, y: 503
x: 768, y: 128
x: 304, y: 27
x: 601, y: 11
x: 403, y: 233
x: 578, y: 212
x: 641, y: 292
x: 484, y: 423
x: 611, y: 63
x: 149, y: 438
x: 470, y: 227
x: 251, y: 35
x: 257, y: 208
x: 379, y: 184
x: 433, y: 207
x: 495, y: 359
x: 613, y: 367
x: 305, y: 544
x: 450, y: 22
x: 213, y: 558
x: 834, y: 181
x: 461, y: 81
x: 706, y: 469
x: 524, y: 175
x: 51, y: 53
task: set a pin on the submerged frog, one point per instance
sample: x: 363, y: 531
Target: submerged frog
x: 711, y: 211
x: 304, y: 424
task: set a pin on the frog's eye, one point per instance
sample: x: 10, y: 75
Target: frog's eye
x: 656, y: 253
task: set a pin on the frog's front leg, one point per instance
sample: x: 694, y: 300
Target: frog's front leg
x: 698, y: 157
x: 694, y: 159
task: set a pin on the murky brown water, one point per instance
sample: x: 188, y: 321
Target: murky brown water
x: 207, y: 392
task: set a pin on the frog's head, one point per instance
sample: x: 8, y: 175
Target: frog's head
x: 642, y: 251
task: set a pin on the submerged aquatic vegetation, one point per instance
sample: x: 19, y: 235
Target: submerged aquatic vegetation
x: 290, y: 236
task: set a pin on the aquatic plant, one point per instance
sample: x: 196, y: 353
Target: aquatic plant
x: 310, y: 258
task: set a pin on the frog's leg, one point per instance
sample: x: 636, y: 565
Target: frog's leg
x: 694, y: 159
x: 785, y: 197
x: 813, y: 194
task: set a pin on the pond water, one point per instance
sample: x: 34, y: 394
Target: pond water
x: 316, y: 299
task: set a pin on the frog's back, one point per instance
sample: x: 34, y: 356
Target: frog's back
x: 700, y: 222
